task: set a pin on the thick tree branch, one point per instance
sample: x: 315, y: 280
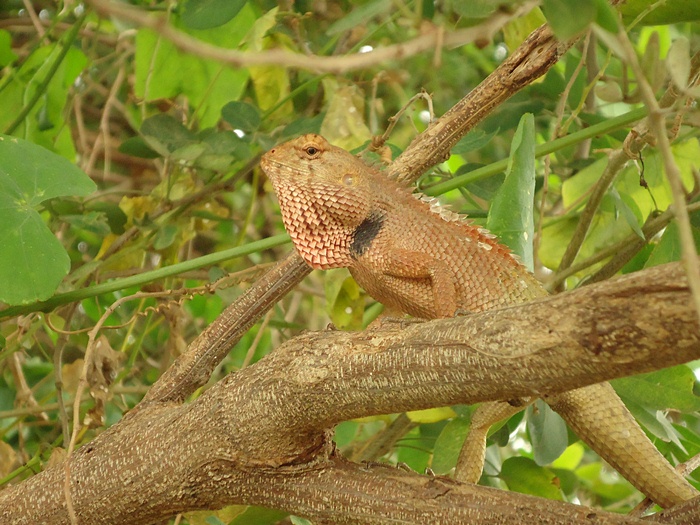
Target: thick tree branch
x: 261, y: 436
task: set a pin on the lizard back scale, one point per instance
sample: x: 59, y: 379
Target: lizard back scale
x: 406, y: 252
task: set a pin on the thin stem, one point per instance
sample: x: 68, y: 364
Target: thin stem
x: 41, y: 88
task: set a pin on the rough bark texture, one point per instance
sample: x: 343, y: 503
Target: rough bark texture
x: 261, y: 436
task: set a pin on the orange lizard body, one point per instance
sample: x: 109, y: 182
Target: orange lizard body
x: 415, y: 257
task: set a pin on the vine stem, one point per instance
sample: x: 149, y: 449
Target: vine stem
x: 41, y: 88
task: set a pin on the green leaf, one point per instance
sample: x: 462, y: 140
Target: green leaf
x: 165, y: 236
x: 473, y: 140
x: 653, y: 421
x: 7, y: 56
x: 431, y: 415
x: 241, y: 115
x: 524, y: 476
x: 661, y: 390
x: 449, y: 444
x: 624, y: 206
x: 296, y: 520
x: 414, y: 449
x: 593, y: 478
x: 344, y: 300
x: 137, y: 147
x: 548, y: 433
x: 259, y: 516
x: 359, y: 16
x: 663, y: 12
x: 511, y: 214
x: 474, y: 8
x: 668, y: 248
x: 560, y: 15
x: 570, y: 458
x: 206, y: 14
x: 32, y: 261
x: 116, y: 218
x: 93, y: 221
x: 487, y: 188
x: 165, y: 134
x: 162, y: 71
x: 606, y: 17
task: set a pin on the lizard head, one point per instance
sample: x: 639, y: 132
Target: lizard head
x: 325, y: 194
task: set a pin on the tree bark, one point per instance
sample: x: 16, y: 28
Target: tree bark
x: 263, y: 435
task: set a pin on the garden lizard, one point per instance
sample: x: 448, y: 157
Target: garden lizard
x: 418, y: 258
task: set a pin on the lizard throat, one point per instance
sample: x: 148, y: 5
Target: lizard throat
x: 365, y: 233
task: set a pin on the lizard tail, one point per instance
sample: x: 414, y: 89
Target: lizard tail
x: 597, y: 412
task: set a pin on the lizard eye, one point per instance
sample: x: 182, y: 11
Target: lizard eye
x: 312, y: 151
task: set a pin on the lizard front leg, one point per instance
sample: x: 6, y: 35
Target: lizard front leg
x: 440, y: 296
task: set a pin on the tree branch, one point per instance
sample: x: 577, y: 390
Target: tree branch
x: 262, y: 435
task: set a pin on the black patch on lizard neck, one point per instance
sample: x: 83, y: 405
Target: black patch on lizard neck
x: 365, y: 233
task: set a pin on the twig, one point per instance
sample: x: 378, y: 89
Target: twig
x: 318, y: 64
x: 658, y: 128
x: 34, y: 18
x: 634, y: 143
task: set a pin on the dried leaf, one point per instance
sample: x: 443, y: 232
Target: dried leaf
x: 678, y: 62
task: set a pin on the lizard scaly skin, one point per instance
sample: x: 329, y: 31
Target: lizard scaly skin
x: 420, y: 259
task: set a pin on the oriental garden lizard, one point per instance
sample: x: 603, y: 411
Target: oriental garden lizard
x: 418, y: 258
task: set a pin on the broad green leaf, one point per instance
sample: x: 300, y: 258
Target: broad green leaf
x: 7, y: 56
x: 32, y: 262
x: 661, y: 390
x: 525, y: 476
x: 344, y: 124
x: 303, y: 125
x: 608, y: 226
x: 449, y: 444
x: 511, y: 213
x: 607, y: 487
x: 473, y: 140
x: 166, y: 134
x: 668, y: 249
x: 548, y: 433
x: 662, y: 12
x: 241, y: 115
x: 653, y: 421
x: 487, y: 188
x: 359, y: 16
x: 137, y: 147
x: 606, y: 17
x: 570, y: 458
x: 431, y: 415
x: 162, y: 71
x: 52, y: 106
x: 474, y: 8
x: 519, y: 28
x: 344, y: 300
x: 414, y: 450
x: 258, y: 516
x: 559, y: 14
x: 206, y: 14
x: 624, y: 207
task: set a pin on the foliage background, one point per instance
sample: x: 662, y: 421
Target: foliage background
x: 179, y: 218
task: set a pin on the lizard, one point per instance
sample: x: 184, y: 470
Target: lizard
x: 418, y: 258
